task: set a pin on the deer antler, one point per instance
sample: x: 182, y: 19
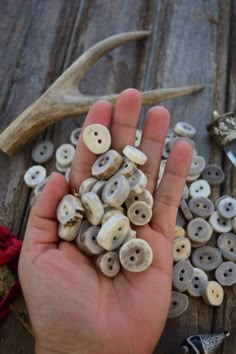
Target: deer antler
x: 63, y: 99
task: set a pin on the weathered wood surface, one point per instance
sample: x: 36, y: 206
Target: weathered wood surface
x: 192, y: 42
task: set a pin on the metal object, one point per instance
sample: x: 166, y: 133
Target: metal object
x: 203, y: 344
x: 223, y: 129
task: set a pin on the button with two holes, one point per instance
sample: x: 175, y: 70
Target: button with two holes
x: 182, y: 275
x: 227, y: 245
x: 207, y: 258
x: 213, y: 174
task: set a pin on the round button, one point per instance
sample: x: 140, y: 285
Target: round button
x: 220, y: 224
x: 213, y: 293
x: 182, y: 248
x: 135, y: 155
x: 185, y: 210
x: 185, y: 129
x: 145, y: 196
x: 227, y: 244
x: 128, y: 168
x: 213, y: 174
x: 65, y: 154
x: 226, y: 274
x: 107, y: 165
x: 116, y: 190
x: 139, y: 213
x: 43, y: 151
x: 74, y: 136
x: 227, y: 207
x: 89, y: 243
x: 138, y: 182
x: 93, y: 208
x: 197, y: 165
x: 97, y: 138
x: 69, y: 210
x: 201, y: 206
x: 206, y: 258
x: 109, y: 264
x: 199, y: 231
x: 179, y: 231
x: 34, y: 175
x: 87, y: 185
x: 200, y: 188
x: 199, y: 280
x: 136, y: 255
x: 179, y: 304
x: 182, y: 275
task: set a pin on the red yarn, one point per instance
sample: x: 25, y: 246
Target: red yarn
x: 10, y: 248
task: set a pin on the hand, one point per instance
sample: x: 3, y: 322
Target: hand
x: 74, y: 308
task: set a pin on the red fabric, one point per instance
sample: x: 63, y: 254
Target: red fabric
x: 10, y: 248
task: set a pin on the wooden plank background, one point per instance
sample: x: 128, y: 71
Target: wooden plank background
x: 191, y: 42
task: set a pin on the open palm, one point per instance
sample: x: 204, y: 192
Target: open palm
x: 74, y: 308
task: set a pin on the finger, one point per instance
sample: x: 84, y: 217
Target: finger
x: 154, y: 133
x: 126, y: 116
x: 42, y: 224
x: 169, y: 192
x: 100, y: 113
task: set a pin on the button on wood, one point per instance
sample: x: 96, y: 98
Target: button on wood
x: 213, y: 174
x: 34, y: 175
x: 213, y: 293
x: 179, y: 304
x: 97, y: 138
x: 43, y: 152
x: 201, y: 206
x: 139, y: 213
x: 227, y: 245
x: 182, y: 248
x: 136, y: 255
x: 182, y: 275
x: 199, y: 230
x: 207, y: 258
x: 225, y: 274
x: 199, y: 280
x: 184, y: 129
x: 226, y: 207
x: 200, y: 188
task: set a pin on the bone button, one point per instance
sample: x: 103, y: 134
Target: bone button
x: 128, y: 168
x: 89, y: 243
x: 199, y: 280
x: 182, y: 248
x: 93, y: 208
x: 136, y: 255
x: 225, y: 274
x: 185, y: 210
x: 179, y: 232
x: 227, y: 245
x: 220, y: 224
x: 182, y: 275
x: 83, y: 227
x: 213, y: 174
x: 145, y: 196
x: 68, y: 232
x: 179, y: 304
x: 226, y: 207
x: 74, y: 136
x: 135, y: 155
x: 139, y: 213
x: 116, y: 190
x: 201, y: 206
x: 109, y: 264
x: 192, y: 178
x: 43, y: 152
x: 110, y: 212
x: 113, y: 232
x: 213, y: 293
x: 97, y: 138
x: 65, y: 154
x: 34, y: 175
x: 69, y: 210
x: 185, y: 129
x: 199, y: 230
x: 200, y: 188
x: 138, y: 138
x: 62, y: 169
x: 138, y: 182
x: 131, y: 234
x: 207, y: 258
x: 98, y: 188
x: 197, y: 165
x: 107, y: 165
x: 87, y: 185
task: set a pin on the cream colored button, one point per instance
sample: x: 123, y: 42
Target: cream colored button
x: 185, y: 129
x: 136, y: 255
x: 179, y: 232
x: 139, y: 213
x: 145, y: 196
x: 200, y: 188
x: 98, y: 188
x: 128, y: 168
x: 199, y: 231
x: 182, y: 248
x: 135, y: 155
x: 138, y: 182
x: 69, y: 210
x: 87, y: 185
x: 113, y: 232
x: 93, y: 208
x: 116, y: 190
x: 109, y: 264
x: 179, y: 304
x: 43, y: 152
x: 220, y: 224
x: 109, y: 212
x: 74, y: 136
x: 199, y: 280
x: 34, y: 175
x: 138, y: 137
x: 213, y: 293
x: 88, y: 240
x: 68, y: 232
x: 107, y: 165
x: 65, y: 154
x: 97, y: 138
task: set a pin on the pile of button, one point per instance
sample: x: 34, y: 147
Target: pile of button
x: 97, y: 216
x: 193, y: 257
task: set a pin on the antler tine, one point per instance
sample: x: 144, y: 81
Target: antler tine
x: 83, y: 64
